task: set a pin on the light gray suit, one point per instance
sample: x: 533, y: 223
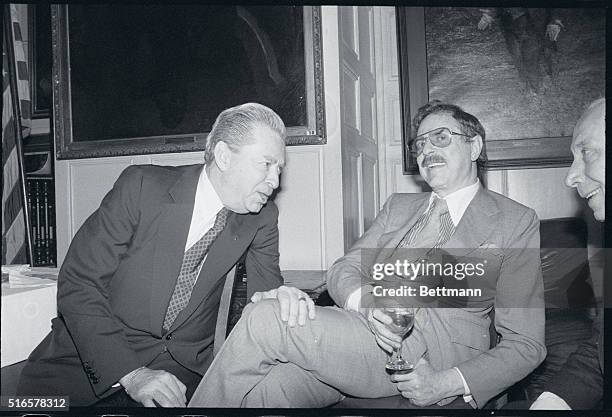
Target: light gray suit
x: 495, y: 227
x: 264, y: 363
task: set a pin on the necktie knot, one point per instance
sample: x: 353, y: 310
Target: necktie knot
x: 438, y: 207
x: 432, y: 229
x: 221, y: 219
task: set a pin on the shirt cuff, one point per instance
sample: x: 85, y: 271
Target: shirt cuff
x: 549, y: 401
x: 467, y: 396
x: 352, y: 302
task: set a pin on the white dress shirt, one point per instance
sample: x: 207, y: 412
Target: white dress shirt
x: 457, y: 203
x: 207, y: 205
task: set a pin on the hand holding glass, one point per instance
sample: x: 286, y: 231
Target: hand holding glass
x: 402, y: 321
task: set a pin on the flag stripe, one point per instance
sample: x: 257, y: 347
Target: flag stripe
x: 22, y: 70
x: 11, y: 201
x: 25, y: 109
x: 8, y: 129
x: 13, y: 240
x: 16, y: 27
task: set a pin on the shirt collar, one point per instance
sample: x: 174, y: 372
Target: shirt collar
x: 207, y: 200
x: 458, y: 201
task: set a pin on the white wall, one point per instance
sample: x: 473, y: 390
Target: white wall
x: 310, y: 200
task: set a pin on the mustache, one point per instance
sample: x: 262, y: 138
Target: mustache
x: 432, y: 159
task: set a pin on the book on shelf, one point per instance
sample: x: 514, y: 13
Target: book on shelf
x: 41, y: 203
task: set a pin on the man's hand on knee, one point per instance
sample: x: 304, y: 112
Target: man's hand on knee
x: 148, y: 386
x: 378, y: 322
x: 295, y: 304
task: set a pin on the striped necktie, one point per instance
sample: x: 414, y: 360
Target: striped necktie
x: 432, y: 230
x: 192, y: 260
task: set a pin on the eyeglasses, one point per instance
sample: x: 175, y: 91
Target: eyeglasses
x: 440, y: 138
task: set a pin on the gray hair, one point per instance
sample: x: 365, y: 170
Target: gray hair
x: 234, y: 125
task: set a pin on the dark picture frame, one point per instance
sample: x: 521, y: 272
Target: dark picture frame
x: 77, y: 135
x: 40, y: 59
x: 513, y: 152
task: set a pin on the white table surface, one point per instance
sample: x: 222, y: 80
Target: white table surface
x: 26, y: 319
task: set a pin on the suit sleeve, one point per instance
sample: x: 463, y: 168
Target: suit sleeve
x: 262, y: 257
x: 519, y: 317
x: 349, y: 272
x: 85, y: 278
x: 579, y: 382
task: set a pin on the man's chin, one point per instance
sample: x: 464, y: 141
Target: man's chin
x: 255, y: 207
x: 596, y: 203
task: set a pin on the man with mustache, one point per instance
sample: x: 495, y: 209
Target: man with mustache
x: 579, y: 383
x: 139, y: 289
x: 342, y: 352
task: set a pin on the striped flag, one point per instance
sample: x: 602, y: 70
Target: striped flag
x: 14, y: 224
x: 23, y: 79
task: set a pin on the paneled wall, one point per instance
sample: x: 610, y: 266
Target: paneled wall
x: 310, y: 200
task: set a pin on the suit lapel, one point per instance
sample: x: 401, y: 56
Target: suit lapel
x: 477, y: 224
x: 392, y: 239
x: 416, y: 209
x: 170, y: 248
x: 221, y: 257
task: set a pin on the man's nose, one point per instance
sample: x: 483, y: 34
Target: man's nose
x: 574, y: 175
x: 273, y: 178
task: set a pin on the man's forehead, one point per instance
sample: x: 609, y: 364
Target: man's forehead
x: 590, y: 129
x: 436, y: 120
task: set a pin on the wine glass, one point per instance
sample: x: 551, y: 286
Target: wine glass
x: 402, y: 321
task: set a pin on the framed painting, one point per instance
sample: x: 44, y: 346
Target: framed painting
x: 139, y: 79
x: 526, y: 73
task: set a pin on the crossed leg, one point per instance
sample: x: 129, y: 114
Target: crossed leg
x: 265, y: 363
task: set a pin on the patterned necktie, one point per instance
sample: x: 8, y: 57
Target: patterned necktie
x: 192, y: 261
x: 432, y: 229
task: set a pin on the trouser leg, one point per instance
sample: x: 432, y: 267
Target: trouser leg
x: 289, y: 385
x: 337, y: 349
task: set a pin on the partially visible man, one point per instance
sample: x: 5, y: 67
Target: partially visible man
x: 579, y: 383
x: 265, y: 363
x: 140, y: 286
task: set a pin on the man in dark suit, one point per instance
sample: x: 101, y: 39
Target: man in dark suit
x: 343, y: 351
x: 139, y: 289
x: 579, y: 383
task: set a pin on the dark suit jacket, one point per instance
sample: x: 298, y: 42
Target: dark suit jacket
x: 506, y: 234
x: 119, y: 274
x: 580, y: 381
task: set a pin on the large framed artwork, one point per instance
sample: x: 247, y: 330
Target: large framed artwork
x: 526, y: 73
x: 138, y: 79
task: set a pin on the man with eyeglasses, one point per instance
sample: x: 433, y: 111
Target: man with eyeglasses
x: 342, y: 352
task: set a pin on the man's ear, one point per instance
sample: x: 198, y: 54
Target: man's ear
x: 223, y: 155
x: 476, y: 147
